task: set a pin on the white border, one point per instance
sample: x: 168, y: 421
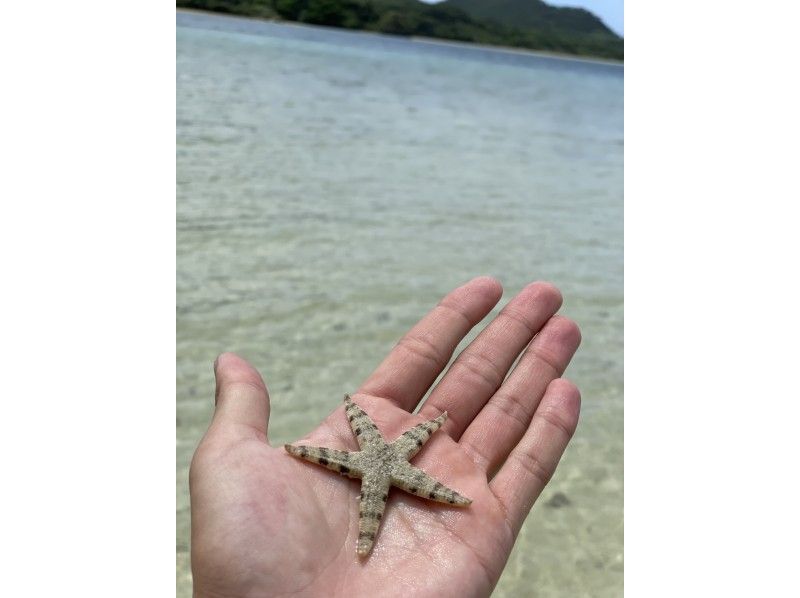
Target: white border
x: 712, y: 303
x: 87, y: 238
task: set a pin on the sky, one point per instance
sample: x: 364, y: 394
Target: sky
x: 609, y: 11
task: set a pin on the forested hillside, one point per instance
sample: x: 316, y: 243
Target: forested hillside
x: 528, y: 24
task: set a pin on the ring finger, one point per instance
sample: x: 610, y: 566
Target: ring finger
x: 504, y: 419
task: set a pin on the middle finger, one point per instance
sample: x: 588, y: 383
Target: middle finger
x: 480, y: 369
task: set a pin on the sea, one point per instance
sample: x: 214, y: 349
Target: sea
x: 332, y: 186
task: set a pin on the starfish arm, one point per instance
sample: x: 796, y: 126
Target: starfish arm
x: 411, y: 441
x: 364, y: 428
x: 339, y: 461
x: 414, y: 480
x: 374, y: 494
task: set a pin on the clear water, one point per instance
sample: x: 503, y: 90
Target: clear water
x: 333, y: 185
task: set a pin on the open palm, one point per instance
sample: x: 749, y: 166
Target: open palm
x: 266, y: 524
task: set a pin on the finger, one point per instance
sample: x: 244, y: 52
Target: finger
x: 532, y: 462
x: 480, y: 369
x: 504, y: 419
x: 242, y: 401
x: 420, y: 356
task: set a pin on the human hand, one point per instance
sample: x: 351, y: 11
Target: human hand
x: 266, y: 524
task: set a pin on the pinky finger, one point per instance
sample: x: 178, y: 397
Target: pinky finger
x: 533, y: 461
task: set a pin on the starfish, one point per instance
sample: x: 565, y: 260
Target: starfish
x: 381, y: 465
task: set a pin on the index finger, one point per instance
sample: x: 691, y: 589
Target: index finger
x: 420, y: 356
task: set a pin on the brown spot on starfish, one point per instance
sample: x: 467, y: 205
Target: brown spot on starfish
x: 381, y: 465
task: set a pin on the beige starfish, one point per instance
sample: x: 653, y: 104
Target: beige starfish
x: 381, y: 465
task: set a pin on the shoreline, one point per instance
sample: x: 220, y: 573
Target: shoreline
x: 510, y: 50
x: 433, y: 41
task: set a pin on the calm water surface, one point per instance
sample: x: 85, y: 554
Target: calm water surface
x: 332, y: 186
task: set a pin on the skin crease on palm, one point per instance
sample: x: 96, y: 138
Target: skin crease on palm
x: 266, y: 524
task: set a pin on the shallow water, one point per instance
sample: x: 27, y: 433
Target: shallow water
x: 332, y: 186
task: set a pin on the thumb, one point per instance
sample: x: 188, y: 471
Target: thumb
x: 242, y: 401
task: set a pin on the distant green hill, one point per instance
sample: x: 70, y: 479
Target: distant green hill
x: 540, y: 25
x: 520, y: 23
x: 533, y: 14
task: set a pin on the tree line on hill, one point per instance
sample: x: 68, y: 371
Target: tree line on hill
x: 528, y: 24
